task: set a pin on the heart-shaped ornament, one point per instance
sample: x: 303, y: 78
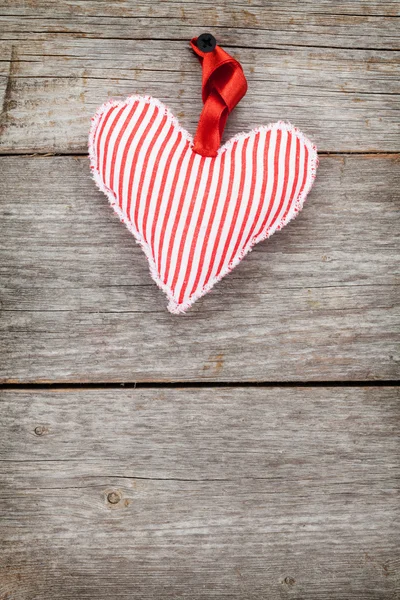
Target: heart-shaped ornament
x: 196, y: 216
x: 197, y: 208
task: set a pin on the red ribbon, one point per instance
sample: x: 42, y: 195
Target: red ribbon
x: 223, y: 86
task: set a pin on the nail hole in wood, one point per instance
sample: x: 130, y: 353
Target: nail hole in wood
x: 40, y: 430
x: 113, y: 497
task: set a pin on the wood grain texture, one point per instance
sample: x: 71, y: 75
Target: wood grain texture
x: 318, y: 301
x: 63, y: 67
x: 349, y: 24
x: 200, y: 493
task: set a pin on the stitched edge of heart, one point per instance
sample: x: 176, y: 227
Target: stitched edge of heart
x: 174, y: 306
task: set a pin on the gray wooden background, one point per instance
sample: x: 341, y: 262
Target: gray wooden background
x: 248, y: 450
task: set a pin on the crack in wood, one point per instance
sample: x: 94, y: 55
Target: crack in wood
x: 8, y: 90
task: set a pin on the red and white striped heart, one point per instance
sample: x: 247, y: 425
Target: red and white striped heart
x: 196, y: 217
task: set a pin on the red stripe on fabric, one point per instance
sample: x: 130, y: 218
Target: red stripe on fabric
x: 153, y: 180
x: 304, y: 180
x: 100, y: 135
x: 196, y: 232
x: 134, y: 163
x: 263, y: 188
x: 162, y: 186
x: 145, y: 164
x: 304, y: 170
x: 285, y: 182
x: 296, y: 177
x: 107, y: 142
x: 126, y: 151
x: 178, y: 215
x: 187, y: 222
x: 169, y: 205
x: 251, y: 196
x: 276, y: 177
x: 118, y: 141
x: 237, y: 206
x: 224, y: 211
x: 210, y: 224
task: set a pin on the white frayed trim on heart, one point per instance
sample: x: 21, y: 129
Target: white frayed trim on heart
x: 174, y: 306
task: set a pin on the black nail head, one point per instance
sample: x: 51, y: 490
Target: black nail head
x: 206, y: 42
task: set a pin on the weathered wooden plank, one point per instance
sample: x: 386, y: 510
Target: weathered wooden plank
x: 196, y: 493
x: 345, y: 100
x: 369, y: 24
x: 318, y: 301
x: 41, y: 8
x: 339, y: 434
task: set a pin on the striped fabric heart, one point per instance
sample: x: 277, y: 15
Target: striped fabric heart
x: 196, y: 217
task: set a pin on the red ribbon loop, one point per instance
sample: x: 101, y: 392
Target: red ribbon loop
x: 223, y: 86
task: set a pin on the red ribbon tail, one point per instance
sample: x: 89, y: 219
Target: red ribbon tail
x: 223, y: 86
